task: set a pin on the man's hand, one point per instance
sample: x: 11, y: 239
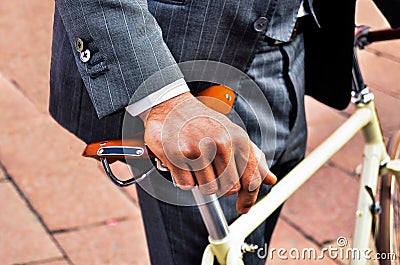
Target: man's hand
x: 203, y: 147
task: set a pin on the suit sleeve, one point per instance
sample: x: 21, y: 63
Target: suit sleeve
x: 119, y: 50
x: 391, y: 10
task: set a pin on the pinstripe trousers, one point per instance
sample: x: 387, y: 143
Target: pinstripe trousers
x: 176, y: 234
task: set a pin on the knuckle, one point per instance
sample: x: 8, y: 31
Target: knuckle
x: 208, y: 188
x: 228, y: 193
x: 231, y: 184
x: 235, y: 189
x: 252, y: 167
x: 224, y: 137
x: 183, y: 179
x: 254, y: 187
x: 185, y: 187
x: 223, y: 141
x: 247, y: 204
x: 240, y: 137
x: 251, y: 182
x: 189, y: 151
x: 184, y: 184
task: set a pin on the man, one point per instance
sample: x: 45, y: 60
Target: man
x: 109, y: 56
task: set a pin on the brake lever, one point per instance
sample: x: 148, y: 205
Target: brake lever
x: 119, y: 182
x: 124, y: 183
x: 110, y: 151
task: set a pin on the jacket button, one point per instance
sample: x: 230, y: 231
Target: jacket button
x: 85, y: 56
x: 79, y: 45
x: 260, y: 24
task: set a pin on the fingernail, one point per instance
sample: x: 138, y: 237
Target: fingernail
x: 270, y: 178
x: 273, y: 176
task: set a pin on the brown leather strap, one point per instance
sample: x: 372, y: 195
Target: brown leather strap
x: 218, y: 98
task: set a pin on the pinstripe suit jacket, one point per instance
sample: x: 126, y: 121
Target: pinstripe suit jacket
x: 128, y: 45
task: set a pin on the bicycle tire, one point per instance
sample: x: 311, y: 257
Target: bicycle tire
x: 388, y: 240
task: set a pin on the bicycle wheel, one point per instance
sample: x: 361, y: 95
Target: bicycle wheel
x: 388, y: 242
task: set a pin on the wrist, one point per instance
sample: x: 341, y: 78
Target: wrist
x: 165, y: 107
x: 160, y: 111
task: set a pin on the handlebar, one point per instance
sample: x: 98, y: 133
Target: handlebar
x: 219, y: 98
x: 382, y: 35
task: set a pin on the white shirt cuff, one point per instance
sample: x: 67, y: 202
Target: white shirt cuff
x: 169, y: 91
x: 302, y: 12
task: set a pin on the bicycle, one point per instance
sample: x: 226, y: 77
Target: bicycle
x: 376, y: 215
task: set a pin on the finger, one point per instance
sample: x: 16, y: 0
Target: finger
x: 206, y: 180
x: 250, y: 180
x: 183, y: 178
x: 247, y: 195
x: 227, y: 175
x: 267, y: 176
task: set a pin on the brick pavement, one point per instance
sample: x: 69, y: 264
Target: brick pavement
x: 58, y: 208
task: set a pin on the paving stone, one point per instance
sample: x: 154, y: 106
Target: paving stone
x: 74, y: 195
x: 388, y: 112
x: 351, y: 155
x: 294, y: 243
x: 324, y: 207
x: 2, y: 175
x: 368, y: 14
x: 123, y: 243
x: 55, y: 262
x: 322, y: 121
x: 15, y: 107
x: 387, y: 49
x: 383, y: 76
x: 22, y: 237
x: 65, y: 188
x: 133, y: 194
x: 122, y: 171
x: 26, y: 45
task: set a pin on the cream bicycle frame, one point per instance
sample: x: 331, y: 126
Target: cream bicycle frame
x: 227, y: 242
x: 228, y: 250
